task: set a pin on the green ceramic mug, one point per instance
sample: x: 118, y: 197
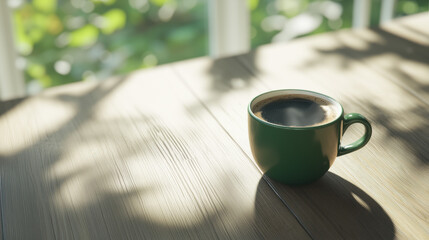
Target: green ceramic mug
x: 300, y: 154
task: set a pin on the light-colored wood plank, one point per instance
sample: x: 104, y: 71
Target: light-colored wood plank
x: 410, y: 72
x: 393, y: 51
x: 412, y: 28
x: 1, y: 214
x: 378, y: 192
x: 132, y: 158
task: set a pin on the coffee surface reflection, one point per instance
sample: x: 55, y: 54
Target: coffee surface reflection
x: 295, y: 111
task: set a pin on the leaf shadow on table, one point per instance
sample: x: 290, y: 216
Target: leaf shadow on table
x: 6, y: 106
x: 49, y: 198
x: 414, y: 30
x: 399, y: 49
x: 386, y: 43
x: 24, y: 180
x: 224, y: 76
x: 411, y: 129
x: 333, y: 208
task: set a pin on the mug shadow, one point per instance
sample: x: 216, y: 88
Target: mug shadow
x: 334, y: 208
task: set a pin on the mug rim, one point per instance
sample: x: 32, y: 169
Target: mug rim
x: 340, y: 115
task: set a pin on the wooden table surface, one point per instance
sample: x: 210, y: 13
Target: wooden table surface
x: 163, y: 153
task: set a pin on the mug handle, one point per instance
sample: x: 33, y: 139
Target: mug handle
x: 350, y: 119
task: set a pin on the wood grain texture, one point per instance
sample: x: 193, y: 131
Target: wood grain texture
x: 398, y: 51
x: 412, y: 28
x: 1, y: 214
x: 136, y: 157
x: 379, y: 192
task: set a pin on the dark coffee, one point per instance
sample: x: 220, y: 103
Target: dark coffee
x: 295, y: 110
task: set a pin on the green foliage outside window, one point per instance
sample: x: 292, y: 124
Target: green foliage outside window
x: 63, y: 41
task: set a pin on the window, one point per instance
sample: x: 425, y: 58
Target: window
x: 63, y: 41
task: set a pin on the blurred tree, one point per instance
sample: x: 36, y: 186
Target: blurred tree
x: 67, y: 41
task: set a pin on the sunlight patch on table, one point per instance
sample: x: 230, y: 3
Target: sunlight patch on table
x: 31, y: 116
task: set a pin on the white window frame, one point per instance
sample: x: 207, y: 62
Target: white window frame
x: 361, y: 13
x: 387, y: 10
x: 229, y: 27
x: 11, y: 79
